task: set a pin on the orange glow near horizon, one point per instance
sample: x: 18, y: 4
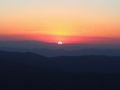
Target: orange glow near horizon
x: 66, y: 32
x: 64, y: 39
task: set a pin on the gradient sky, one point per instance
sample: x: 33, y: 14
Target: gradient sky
x: 61, y: 20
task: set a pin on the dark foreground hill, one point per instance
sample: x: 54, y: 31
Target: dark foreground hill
x: 31, y: 71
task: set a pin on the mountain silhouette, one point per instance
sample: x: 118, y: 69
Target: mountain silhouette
x: 28, y: 70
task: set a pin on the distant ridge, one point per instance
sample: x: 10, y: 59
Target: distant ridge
x: 92, y: 62
x: 52, y: 50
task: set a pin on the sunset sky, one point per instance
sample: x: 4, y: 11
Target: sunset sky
x: 69, y: 21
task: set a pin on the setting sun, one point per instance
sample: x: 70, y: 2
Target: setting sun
x: 60, y: 43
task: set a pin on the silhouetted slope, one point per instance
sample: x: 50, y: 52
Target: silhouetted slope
x: 29, y: 70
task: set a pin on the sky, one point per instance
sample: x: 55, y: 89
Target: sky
x: 69, y: 21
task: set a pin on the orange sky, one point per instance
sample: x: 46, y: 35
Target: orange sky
x: 53, y: 24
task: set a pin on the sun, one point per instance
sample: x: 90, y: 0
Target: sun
x: 60, y: 43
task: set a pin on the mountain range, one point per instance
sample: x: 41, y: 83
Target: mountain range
x: 33, y: 71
